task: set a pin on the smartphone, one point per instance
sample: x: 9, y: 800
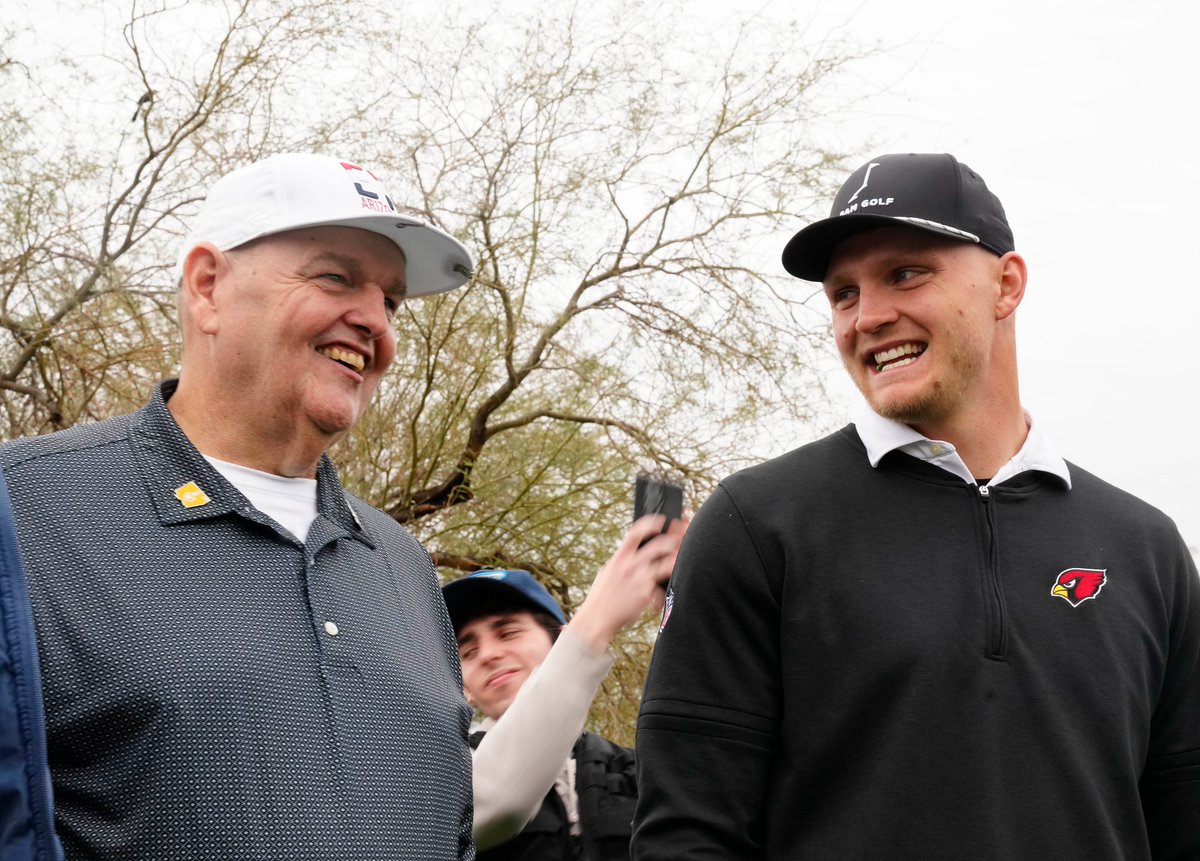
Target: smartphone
x: 657, y: 496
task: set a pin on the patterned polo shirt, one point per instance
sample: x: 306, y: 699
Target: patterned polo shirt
x: 216, y: 690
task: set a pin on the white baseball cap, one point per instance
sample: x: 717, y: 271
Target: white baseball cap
x: 294, y: 190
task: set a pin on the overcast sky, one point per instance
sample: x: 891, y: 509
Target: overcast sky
x: 1084, y: 125
x: 1080, y: 118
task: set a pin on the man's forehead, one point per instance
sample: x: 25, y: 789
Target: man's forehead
x: 881, y: 243
x: 365, y: 253
x: 357, y: 240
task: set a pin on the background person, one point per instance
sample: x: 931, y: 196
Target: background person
x: 543, y: 788
x: 925, y: 636
x: 241, y: 659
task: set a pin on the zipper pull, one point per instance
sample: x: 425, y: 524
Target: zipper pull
x: 985, y: 492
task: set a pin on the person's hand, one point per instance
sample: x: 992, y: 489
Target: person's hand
x: 631, y: 582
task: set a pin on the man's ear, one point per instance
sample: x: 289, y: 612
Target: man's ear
x: 203, y: 267
x: 1013, y: 276
x: 467, y: 696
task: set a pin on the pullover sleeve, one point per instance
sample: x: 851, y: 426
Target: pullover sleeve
x: 516, y: 763
x: 708, y: 726
x: 1170, y: 784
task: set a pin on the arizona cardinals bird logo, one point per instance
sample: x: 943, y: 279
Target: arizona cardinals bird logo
x: 1076, y: 585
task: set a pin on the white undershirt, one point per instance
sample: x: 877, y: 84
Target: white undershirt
x: 290, y: 502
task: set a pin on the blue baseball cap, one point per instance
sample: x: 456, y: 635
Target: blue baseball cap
x: 465, y: 594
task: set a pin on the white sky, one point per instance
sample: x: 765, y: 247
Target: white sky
x: 1081, y: 117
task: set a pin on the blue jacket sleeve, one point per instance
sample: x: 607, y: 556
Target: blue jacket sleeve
x: 26, y: 814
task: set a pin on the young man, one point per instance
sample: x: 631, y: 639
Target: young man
x: 925, y: 636
x: 543, y: 790
x: 240, y: 659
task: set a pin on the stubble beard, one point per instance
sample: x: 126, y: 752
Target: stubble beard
x: 936, y: 402
x: 928, y: 407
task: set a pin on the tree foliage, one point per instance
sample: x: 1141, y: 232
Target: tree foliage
x: 624, y: 176
x: 103, y: 154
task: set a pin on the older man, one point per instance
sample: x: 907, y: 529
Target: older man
x: 924, y: 636
x: 241, y: 660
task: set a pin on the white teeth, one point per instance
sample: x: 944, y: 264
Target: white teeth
x: 346, y: 357
x: 896, y: 352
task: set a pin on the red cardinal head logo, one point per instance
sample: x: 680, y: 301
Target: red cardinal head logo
x: 1076, y: 585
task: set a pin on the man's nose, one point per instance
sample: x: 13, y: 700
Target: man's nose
x: 490, y: 650
x: 368, y: 312
x: 875, y: 309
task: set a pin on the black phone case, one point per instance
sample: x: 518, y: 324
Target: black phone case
x: 655, y: 496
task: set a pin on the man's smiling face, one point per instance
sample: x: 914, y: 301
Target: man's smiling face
x: 914, y: 318
x: 304, y: 326
x: 498, y: 653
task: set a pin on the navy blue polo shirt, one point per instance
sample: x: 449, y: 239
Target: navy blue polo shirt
x: 215, y: 689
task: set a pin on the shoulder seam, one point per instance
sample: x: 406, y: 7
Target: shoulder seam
x: 37, y: 455
x: 750, y: 536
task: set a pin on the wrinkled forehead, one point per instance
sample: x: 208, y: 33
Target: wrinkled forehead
x: 357, y: 240
x: 365, y: 254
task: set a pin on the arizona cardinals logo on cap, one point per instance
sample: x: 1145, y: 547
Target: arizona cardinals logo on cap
x: 1076, y: 585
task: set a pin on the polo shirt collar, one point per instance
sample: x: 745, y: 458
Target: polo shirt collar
x: 185, y: 487
x: 881, y: 436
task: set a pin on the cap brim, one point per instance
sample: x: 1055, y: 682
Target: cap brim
x: 808, y: 253
x: 464, y: 595
x: 435, y: 261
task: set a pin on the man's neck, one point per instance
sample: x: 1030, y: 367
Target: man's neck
x: 242, y: 437
x: 985, y: 445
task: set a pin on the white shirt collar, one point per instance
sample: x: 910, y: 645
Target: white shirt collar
x: 881, y: 436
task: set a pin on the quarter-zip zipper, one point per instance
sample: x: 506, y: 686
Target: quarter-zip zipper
x: 997, y: 638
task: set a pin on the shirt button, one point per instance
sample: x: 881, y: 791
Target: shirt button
x: 331, y: 629
x: 936, y: 449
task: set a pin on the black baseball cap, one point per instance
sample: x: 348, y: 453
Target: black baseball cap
x: 464, y: 595
x: 929, y: 191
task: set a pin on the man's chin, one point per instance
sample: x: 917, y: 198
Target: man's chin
x: 921, y: 409
x: 334, y: 420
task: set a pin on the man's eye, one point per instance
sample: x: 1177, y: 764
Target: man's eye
x: 333, y: 276
x: 390, y: 305
x: 903, y: 275
x: 842, y: 299
x: 466, y: 654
